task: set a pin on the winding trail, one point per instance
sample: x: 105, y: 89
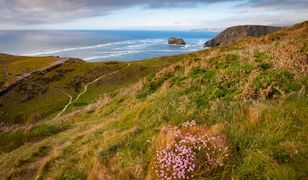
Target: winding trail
x: 71, y: 101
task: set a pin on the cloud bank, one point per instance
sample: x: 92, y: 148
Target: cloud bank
x: 56, y: 11
x: 47, y: 11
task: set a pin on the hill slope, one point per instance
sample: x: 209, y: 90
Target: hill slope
x: 251, y: 96
x: 46, y: 91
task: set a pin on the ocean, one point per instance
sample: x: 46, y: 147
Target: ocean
x: 100, y: 45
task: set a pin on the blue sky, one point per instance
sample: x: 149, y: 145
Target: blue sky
x: 148, y: 14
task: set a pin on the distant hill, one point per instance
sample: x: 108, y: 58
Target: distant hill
x: 207, y: 30
x: 235, y: 33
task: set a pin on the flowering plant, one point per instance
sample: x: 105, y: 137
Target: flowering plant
x: 189, y: 151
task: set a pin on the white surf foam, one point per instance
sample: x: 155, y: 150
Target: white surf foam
x: 130, y: 44
x: 110, y: 55
x: 118, y: 49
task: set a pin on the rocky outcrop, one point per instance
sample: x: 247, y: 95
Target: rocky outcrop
x: 235, y: 33
x: 176, y: 41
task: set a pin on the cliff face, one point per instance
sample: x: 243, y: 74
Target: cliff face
x: 234, y: 33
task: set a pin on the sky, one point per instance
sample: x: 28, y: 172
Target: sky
x: 148, y: 14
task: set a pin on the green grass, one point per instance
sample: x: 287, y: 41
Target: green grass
x: 18, y: 65
x: 23, y: 65
x: 2, y: 75
x: 274, y: 148
x: 12, y: 140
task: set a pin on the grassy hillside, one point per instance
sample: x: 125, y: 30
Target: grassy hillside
x: 248, y: 101
x: 45, y: 93
x: 13, y: 66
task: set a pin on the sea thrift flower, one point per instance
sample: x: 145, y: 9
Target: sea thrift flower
x: 187, y: 154
x: 189, y: 124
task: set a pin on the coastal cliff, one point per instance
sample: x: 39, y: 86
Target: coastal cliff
x: 235, y: 33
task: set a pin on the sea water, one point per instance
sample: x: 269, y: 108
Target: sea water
x: 100, y: 45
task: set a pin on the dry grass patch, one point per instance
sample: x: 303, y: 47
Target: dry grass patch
x: 290, y: 57
x: 100, y: 172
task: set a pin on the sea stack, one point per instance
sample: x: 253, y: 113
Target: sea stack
x: 176, y: 41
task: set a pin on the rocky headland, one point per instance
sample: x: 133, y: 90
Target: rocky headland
x: 235, y: 33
